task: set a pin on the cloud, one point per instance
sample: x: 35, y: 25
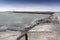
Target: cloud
x: 30, y: 8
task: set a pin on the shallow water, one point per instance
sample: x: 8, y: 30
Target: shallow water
x: 15, y: 18
x: 18, y: 20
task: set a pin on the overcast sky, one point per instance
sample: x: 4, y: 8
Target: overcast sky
x: 30, y: 5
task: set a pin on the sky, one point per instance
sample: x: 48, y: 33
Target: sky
x: 30, y: 5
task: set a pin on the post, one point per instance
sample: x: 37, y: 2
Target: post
x: 26, y: 36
